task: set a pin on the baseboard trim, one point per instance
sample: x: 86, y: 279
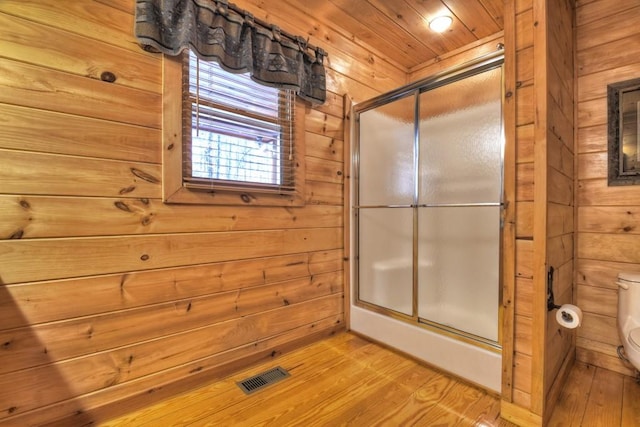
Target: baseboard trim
x: 519, y: 415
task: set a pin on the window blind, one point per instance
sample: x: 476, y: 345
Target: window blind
x: 238, y: 133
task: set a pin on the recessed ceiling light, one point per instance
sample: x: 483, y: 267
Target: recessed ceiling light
x: 440, y: 24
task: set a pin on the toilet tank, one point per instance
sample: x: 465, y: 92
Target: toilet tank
x: 628, y: 297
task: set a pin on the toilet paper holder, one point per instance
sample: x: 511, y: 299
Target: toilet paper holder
x: 568, y: 315
x: 551, y: 305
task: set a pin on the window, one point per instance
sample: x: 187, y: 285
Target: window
x: 240, y: 140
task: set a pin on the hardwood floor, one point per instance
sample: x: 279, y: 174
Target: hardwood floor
x: 597, y: 397
x: 347, y: 380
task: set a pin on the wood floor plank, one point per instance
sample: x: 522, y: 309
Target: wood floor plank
x: 377, y: 404
x: 631, y: 403
x: 574, y: 396
x: 484, y: 412
x: 416, y: 406
x: 453, y: 407
x: 604, y: 407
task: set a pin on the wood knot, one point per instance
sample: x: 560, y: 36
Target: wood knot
x: 144, y: 257
x: 17, y: 235
x: 145, y: 176
x: 108, y: 77
x: 129, y: 189
x: 122, y: 206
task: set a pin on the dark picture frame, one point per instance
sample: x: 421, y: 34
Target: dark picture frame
x: 623, y: 101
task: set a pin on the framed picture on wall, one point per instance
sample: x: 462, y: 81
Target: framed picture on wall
x: 623, y: 99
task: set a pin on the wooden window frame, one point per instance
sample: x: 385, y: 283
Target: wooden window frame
x: 173, y: 186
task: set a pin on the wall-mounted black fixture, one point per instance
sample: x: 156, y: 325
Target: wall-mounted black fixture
x: 551, y: 305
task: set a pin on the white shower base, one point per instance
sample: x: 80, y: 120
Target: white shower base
x: 473, y: 363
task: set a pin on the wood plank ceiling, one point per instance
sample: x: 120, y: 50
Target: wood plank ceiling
x: 398, y: 29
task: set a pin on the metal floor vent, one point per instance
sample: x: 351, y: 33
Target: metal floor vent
x: 260, y: 381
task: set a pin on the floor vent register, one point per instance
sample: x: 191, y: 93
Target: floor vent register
x: 260, y: 381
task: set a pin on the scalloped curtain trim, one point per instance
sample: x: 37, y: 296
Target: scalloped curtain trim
x: 217, y: 31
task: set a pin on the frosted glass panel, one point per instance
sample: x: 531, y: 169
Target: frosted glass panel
x: 386, y: 257
x: 386, y: 154
x: 461, y: 141
x: 458, y: 273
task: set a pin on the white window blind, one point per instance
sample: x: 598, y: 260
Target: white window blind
x: 238, y: 133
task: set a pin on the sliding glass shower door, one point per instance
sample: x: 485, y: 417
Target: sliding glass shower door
x: 385, y: 206
x: 428, y: 203
x: 459, y: 204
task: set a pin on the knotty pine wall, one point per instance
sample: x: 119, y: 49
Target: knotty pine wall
x: 108, y: 294
x: 544, y: 119
x: 557, y: 131
x: 608, y: 227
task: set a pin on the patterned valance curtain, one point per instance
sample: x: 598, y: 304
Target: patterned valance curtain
x: 217, y: 30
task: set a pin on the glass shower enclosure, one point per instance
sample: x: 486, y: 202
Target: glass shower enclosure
x: 428, y: 203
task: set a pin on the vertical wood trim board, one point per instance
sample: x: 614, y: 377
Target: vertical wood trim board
x: 508, y: 260
x: 539, y: 314
x: 347, y: 261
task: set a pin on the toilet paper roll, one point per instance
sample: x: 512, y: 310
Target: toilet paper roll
x: 569, y: 316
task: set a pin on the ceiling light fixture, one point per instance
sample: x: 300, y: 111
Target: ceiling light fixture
x: 440, y: 24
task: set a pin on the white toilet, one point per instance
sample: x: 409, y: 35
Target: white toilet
x: 629, y: 315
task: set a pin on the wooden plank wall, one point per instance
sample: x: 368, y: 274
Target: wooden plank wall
x: 106, y: 293
x: 608, y: 50
x: 544, y: 202
x: 559, y: 342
